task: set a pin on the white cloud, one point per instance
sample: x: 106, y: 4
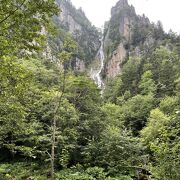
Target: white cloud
x: 98, y: 11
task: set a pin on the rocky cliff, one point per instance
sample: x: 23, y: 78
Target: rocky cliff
x: 113, y: 66
x: 126, y: 34
x: 86, y: 35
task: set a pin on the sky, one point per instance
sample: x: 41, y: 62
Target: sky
x: 167, y: 11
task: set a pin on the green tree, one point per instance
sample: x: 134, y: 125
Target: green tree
x: 117, y: 151
x: 136, y: 111
x: 164, y: 68
x: 147, y: 84
x: 15, y: 130
x: 113, y: 115
x: 162, y: 136
x: 68, y: 49
x: 131, y: 75
x: 169, y: 105
x: 84, y: 94
x: 111, y: 91
x: 21, y: 23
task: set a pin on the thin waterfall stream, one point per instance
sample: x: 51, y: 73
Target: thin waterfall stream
x: 96, y: 73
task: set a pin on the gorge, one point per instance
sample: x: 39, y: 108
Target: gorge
x: 125, y: 33
x: 95, y: 74
x: 81, y: 103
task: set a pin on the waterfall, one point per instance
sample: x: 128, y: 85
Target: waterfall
x: 96, y: 74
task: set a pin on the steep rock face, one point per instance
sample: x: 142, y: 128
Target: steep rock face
x: 67, y: 20
x: 80, y: 65
x: 87, y: 36
x: 125, y: 34
x: 117, y: 35
x: 125, y: 15
x: 114, y: 65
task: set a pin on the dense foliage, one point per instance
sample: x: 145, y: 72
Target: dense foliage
x: 132, y: 132
x: 146, y: 96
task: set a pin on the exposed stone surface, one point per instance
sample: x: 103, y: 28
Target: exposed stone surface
x: 66, y: 19
x: 80, y: 65
x: 121, y: 4
x: 86, y: 35
x: 125, y: 14
x: 113, y: 67
x: 122, y: 17
x: 125, y: 33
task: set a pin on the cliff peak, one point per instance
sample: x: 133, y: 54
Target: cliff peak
x: 126, y: 33
x: 122, y: 3
x: 120, y: 6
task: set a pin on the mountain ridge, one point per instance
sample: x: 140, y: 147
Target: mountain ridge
x: 126, y: 33
x: 86, y: 35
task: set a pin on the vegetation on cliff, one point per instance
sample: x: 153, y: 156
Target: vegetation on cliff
x: 54, y: 123
x: 86, y: 35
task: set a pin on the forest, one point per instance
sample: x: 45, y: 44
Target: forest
x: 54, y: 122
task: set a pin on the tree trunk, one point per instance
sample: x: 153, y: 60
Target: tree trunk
x: 53, y: 143
x: 53, y: 147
